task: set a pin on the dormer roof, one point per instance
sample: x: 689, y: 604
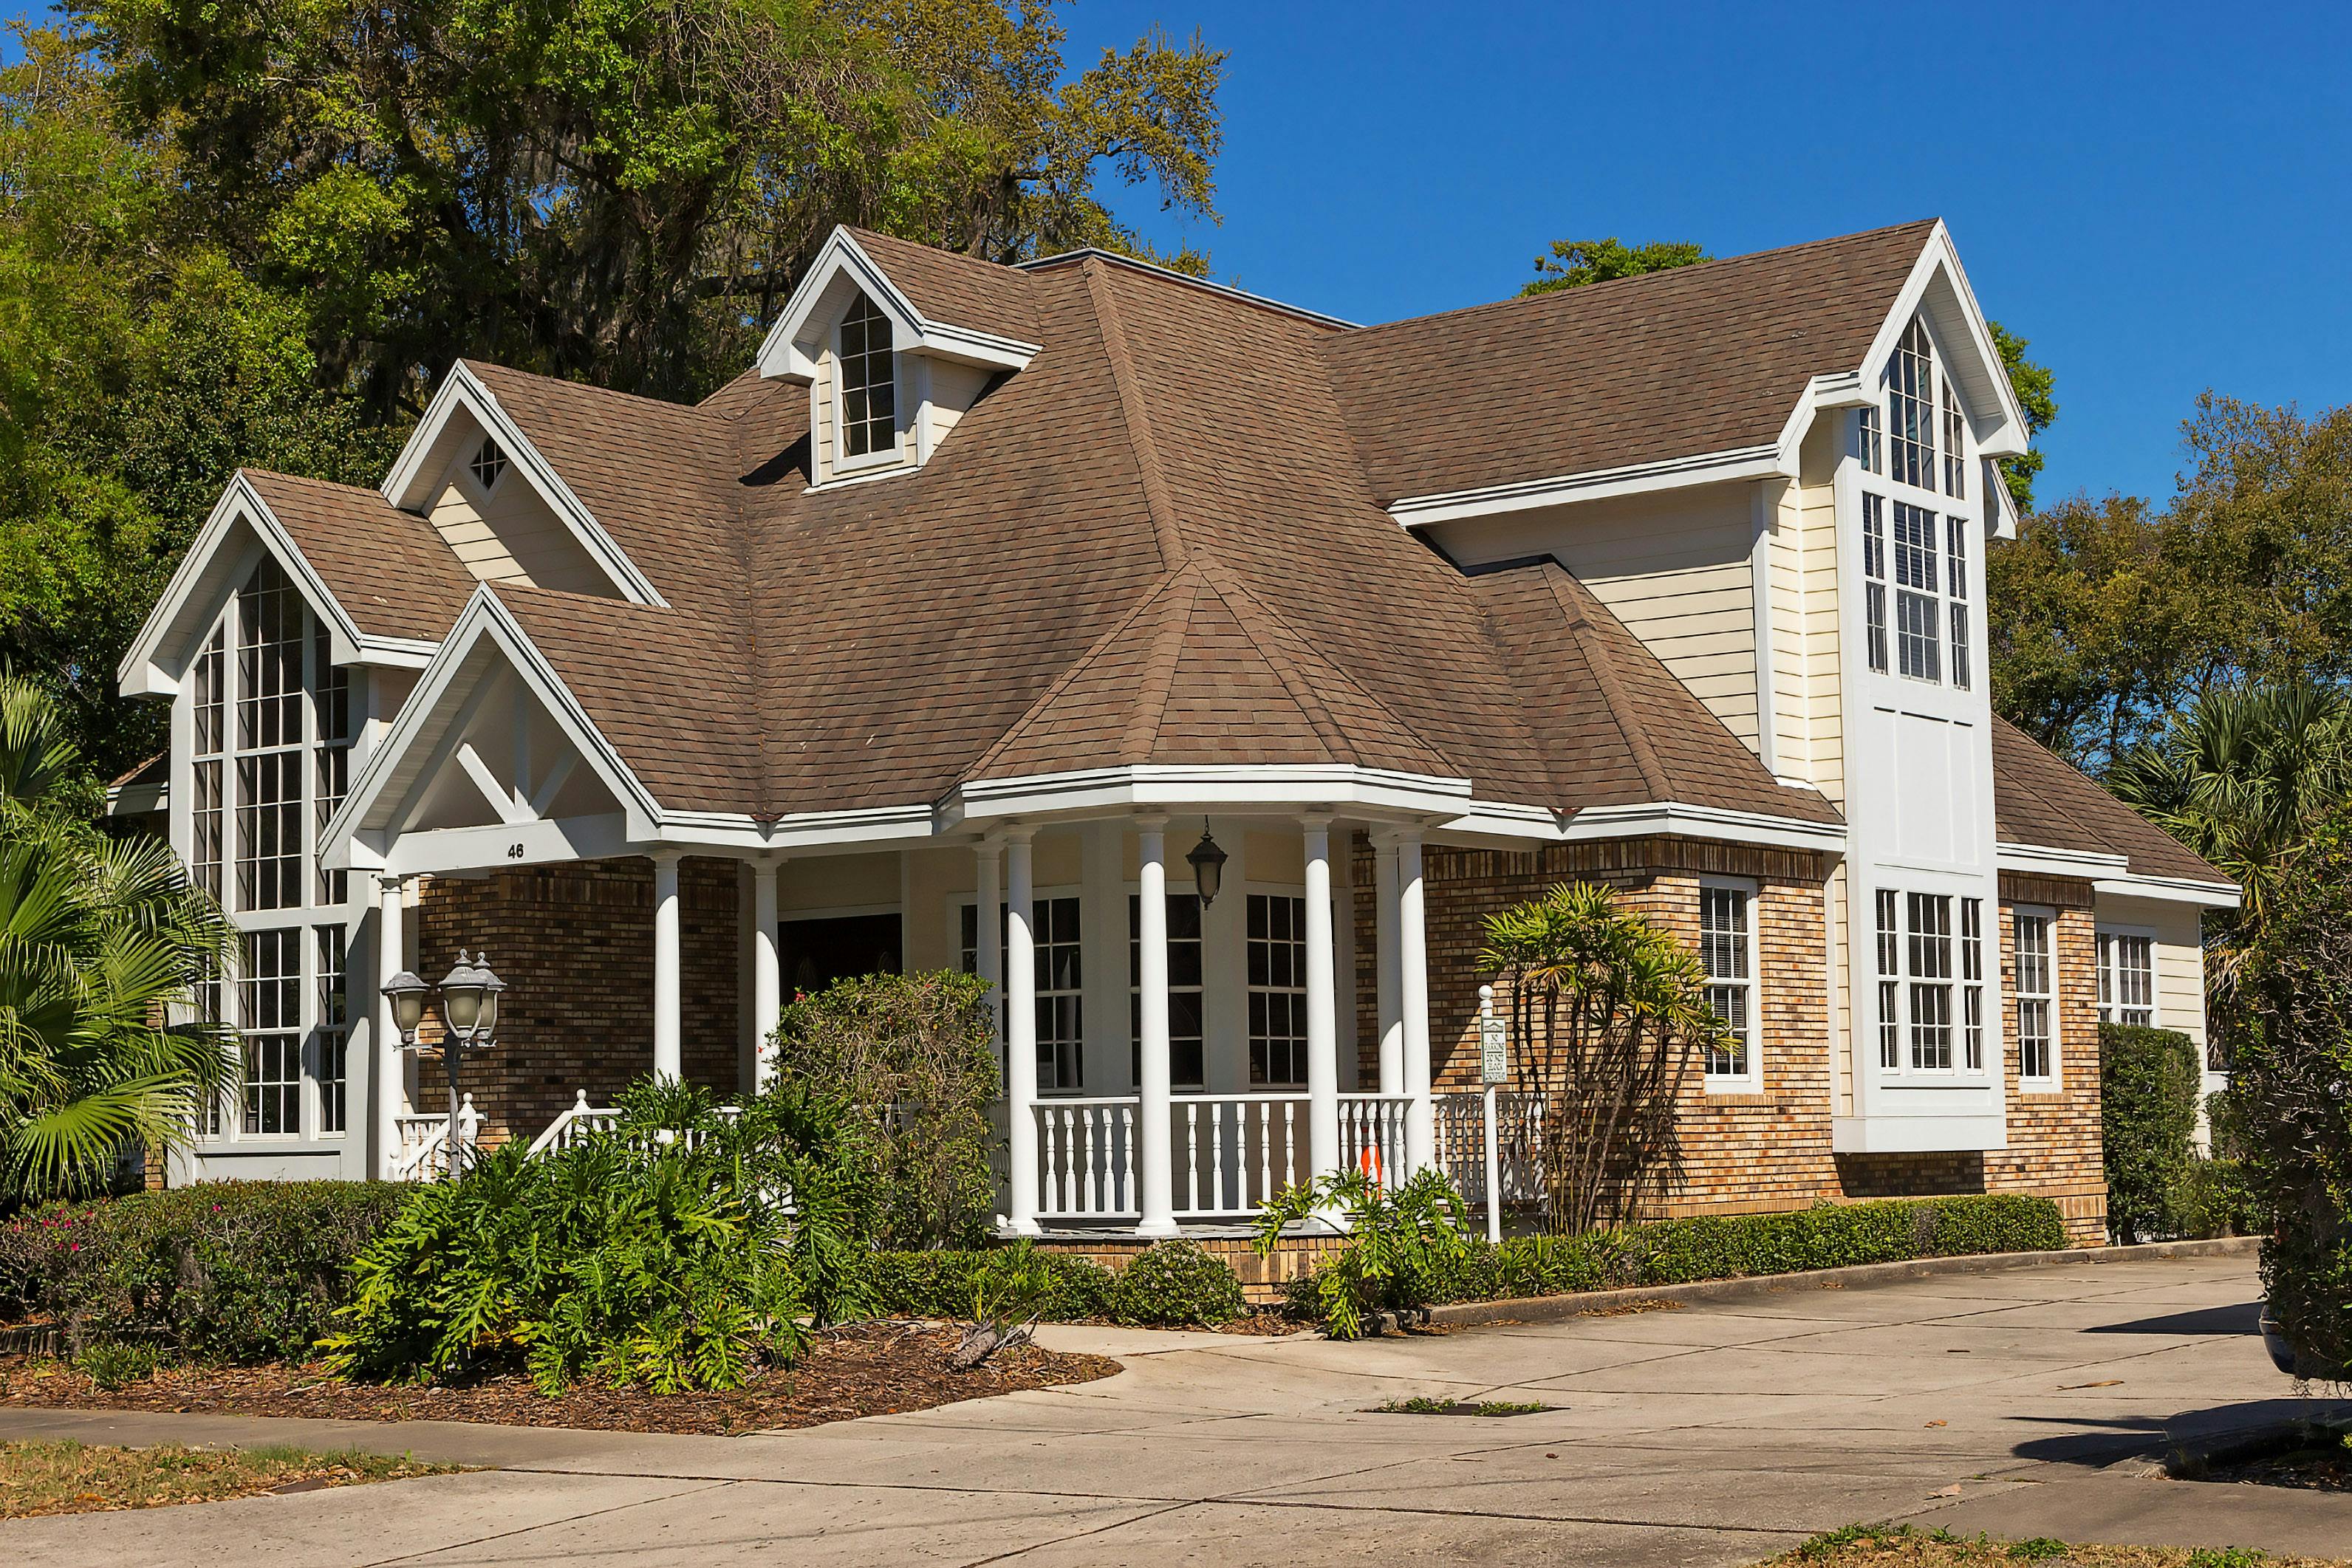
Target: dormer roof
x: 940, y: 304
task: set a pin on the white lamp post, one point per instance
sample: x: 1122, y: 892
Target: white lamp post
x: 469, y: 1012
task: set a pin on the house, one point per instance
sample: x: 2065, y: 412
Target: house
x: 947, y: 632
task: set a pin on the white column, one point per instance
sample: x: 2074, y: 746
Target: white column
x: 1384, y: 921
x: 1322, y: 1007
x: 1154, y: 1145
x: 390, y: 1085
x: 1020, y: 1032
x: 668, y: 1028
x: 1412, y: 998
x: 988, y: 951
x: 767, y: 973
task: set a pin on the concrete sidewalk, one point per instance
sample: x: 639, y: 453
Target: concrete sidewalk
x: 1721, y: 1433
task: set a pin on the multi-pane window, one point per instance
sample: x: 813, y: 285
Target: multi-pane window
x: 2126, y: 978
x: 331, y: 756
x: 1185, y: 1064
x: 1955, y: 465
x: 1911, y: 409
x: 1061, y: 1017
x: 209, y: 740
x: 212, y: 1121
x: 1956, y: 552
x: 269, y: 702
x: 1727, y: 947
x: 1931, y: 932
x: 332, y: 1036
x: 1890, y: 968
x: 269, y: 1019
x: 1872, y: 441
x: 1277, y: 989
x: 869, y: 392
x: 1972, y: 989
x: 2037, y: 999
x: 1917, y: 609
x: 487, y: 464
x: 1873, y: 571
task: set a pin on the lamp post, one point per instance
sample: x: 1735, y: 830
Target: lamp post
x: 470, y: 1014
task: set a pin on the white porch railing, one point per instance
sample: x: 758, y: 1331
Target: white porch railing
x: 1086, y: 1159
x: 581, y: 1121
x: 422, y: 1151
x: 1233, y: 1151
x: 1374, y: 1125
x: 1461, y: 1126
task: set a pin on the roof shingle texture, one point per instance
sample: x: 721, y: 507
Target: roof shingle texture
x: 389, y: 570
x: 2041, y: 798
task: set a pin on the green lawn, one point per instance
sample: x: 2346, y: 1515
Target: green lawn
x: 1901, y: 1546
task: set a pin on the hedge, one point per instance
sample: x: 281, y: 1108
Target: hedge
x: 1678, y: 1251
x: 242, y: 1271
x: 950, y: 1282
x: 2149, y: 1083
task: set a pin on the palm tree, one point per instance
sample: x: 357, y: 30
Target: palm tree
x: 2243, y: 774
x: 102, y: 941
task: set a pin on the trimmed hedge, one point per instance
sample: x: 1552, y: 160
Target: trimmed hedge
x: 2149, y: 1084
x: 951, y: 1282
x: 241, y: 1271
x: 1176, y: 1284
x: 1678, y: 1252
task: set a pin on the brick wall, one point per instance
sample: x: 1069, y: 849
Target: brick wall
x: 576, y: 946
x: 2055, y: 1140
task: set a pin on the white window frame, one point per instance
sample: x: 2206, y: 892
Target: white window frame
x: 1949, y: 606
x: 1749, y: 1080
x: 1251, y: 990
x: 843, y: 461
x: 2109, y: 975
x: 1049, y: 1086
x: 2050, y: 1080
x: 1135, y: 991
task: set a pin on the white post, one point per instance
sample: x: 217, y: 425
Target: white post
x: 1154, y: 1137
x: 1322, y: 1007
x: 988, y: 948
x: 668, y: 1029
x: 1391, y: 1010
x: 1494, y: 1155
x: 1020, y: 1032
x: 767, y: 974
x: 1412, y: 994
x: 390, y: 1086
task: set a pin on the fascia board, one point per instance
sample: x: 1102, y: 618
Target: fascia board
x: 2043, y: 859
x: 1676, y: 819
x: 1939, y: 255
x: 462, y: 390
x: 486, y: 616
x: 141, y: 672
x: 1600, y: 484
x: 781, y: 357
x: 2170, y: 890
x: 1227, y: 785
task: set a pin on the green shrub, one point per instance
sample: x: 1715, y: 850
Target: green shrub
x: 681, y: 1252
x: 2213, y: 1197
x: 1405, y: 1245
x: 1678, y: 1252
x: 1176, y: 1284
x: 112, y: 1364
x: 962, y: 1283
x: 221, y: 1271
x: 2149, y: 1083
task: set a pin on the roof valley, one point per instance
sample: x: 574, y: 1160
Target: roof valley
x: 1612, y: 690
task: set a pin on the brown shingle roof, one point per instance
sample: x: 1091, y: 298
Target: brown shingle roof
x: 388, y: 569
x: 955, y: 290
x: 2040, y: 798
x: 1702, y: 358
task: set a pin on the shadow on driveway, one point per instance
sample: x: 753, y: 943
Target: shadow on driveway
x: 2243, y: 1319
x: 2097, y: 1443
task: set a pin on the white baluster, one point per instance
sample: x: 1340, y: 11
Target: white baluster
x: 1129, y: 1198
x: 1191, y: 1154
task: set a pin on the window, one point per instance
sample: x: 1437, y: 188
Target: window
x: 1955, y: 466
x: 212, y: 1120
x: 1918, y: 639
x: 334, y: 1029
x: 1890, y: 966
x: 270, y: 1003
x: 1061, y: 1017
x: 268, y: 773
x: 1911, y: 409
x: 2037, y: 999
x: 1727, y: 946
x: 869, y: 391
x: 1872, y: 440
x: 1873, y: 569
x: 2126, y: 978
x: 331, y: 755
x: 1185, y: 1063
x: 1955, y: 558
x: 489, y: 465
x: 1972, y: 974
x: 1931, y: 982
x: 1277, y: 990
x: 968, y: 938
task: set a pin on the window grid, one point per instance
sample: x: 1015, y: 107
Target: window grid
x: 2126, y: 978
x: 269, y: 1018
x: 2036, y: 1002
x: 1061, y: 1014
x: 1955, y: 466
x: 1872, y: 441
x: 330, y: 757
x: 1972, y: 982
x: 489, y: 465
x: 1911, y: 409
x: 1890, y: 968
x: 331, y: 1039
x: 869, y: 393
x: 1725, y: 947
x: 1873, y: 568
x: 1930, y: 931
x: 1186, y: 1057
x: 1277, y: 989
x: 1956, y: 561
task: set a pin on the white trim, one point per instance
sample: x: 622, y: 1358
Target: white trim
x: 2054, y: 1081
x: 1750, y: 1081
x: 2111, y: 875
x: 1737, y: 463
x: 2174, y: 890
x: 462, y: 390
x: 782, y: 357
x: 2008, y: 437
x: 1675, y: 819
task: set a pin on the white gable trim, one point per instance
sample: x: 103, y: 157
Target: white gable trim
x: 462, y: 390
x: 1597, y: 484
x: 152, y: 669
x: 1956, y: 314
x: 354, y: 831
x: 783, y: 354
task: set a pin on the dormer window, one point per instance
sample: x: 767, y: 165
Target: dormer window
x: 870, y: 387
x: 487, y: 464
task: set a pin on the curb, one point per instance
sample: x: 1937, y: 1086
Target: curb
x: 1551, y: 1309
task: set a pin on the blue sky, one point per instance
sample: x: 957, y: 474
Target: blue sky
x: 2158, y: 195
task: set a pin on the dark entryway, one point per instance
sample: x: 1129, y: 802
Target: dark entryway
x: 815, y: 952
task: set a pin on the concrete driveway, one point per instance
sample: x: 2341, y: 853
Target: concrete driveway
x: 1716, y: 1434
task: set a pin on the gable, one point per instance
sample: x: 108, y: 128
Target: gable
x: 505, y: 531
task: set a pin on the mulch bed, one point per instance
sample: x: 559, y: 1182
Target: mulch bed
x: 2311, y: 1468
x: 872, y: 1369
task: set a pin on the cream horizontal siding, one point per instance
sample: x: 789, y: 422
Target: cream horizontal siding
x: 512, y: 537
x: 2179, y: 954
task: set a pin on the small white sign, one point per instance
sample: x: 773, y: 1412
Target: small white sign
x: 1493, y: 1050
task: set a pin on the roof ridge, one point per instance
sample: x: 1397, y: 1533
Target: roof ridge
x: 1597, y: 658
x: 1167, y: 651
x: 1045, y: 700
x: 1158, y: 498
x: 1609, y: 286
